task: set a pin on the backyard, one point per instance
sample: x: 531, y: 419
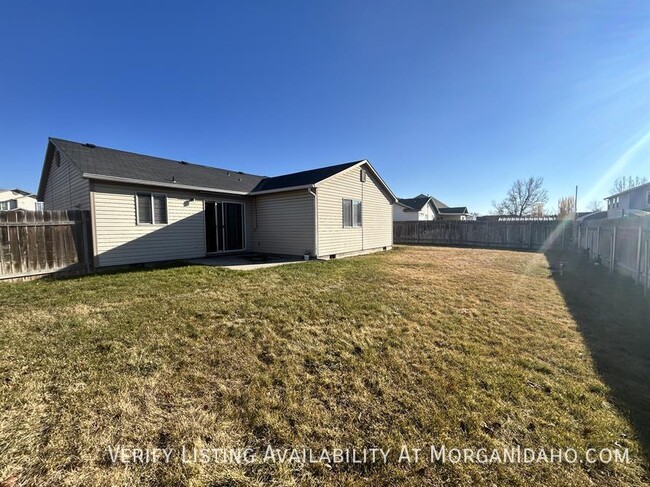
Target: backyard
x: 418, y: 346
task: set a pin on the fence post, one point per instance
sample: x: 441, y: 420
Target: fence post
x: 84, y: 232
x: 647, y: 270
x: 638, y: 255
x: 417, y: 229
x: 612, y: 262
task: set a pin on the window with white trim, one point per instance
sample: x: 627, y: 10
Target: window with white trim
x: 351, y: 213
x: 8, y: 205
x: 151, y: 209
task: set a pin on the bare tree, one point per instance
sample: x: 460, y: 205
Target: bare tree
x: 525, y: 198
x: 595, y: 205
x: 538, y: 210
x: 566, y: 207
x: 623, y: 183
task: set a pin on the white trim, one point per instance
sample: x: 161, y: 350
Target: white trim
x: 141, y: 182
x: 352, y: 202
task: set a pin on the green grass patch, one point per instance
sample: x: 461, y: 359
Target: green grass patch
x: 419, y: 346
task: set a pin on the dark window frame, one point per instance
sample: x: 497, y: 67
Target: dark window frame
x: 152, y: 212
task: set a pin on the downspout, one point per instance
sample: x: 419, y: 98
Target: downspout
x: 313, y: 193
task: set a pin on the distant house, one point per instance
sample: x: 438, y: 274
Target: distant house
x: 426, y: 208
x: 148, y: 209
x: 17, y: 199
x: 619, y: 204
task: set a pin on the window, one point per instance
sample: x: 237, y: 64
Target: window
x: 39, y: 206
x: 647, y: 198
x: 351, y: 213
x: 151, y: 209
x: 8, y: 205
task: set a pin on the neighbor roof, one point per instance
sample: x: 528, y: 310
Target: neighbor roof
x: 415, y: 204
x: 454, y: 210
x: 640, y: 186
x: 102, y: 163
x: 17, y: 190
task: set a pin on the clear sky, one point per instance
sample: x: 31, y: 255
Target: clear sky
x: 452, y: 98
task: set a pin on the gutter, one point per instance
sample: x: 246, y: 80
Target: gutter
x: 142, y: 182
x: 282, y: 190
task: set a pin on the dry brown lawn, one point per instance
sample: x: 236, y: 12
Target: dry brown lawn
x: 458, y: 347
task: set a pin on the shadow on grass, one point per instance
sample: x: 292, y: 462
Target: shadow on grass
x: 614, y: 320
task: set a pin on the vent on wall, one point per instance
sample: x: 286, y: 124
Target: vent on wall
x: 362, y: 175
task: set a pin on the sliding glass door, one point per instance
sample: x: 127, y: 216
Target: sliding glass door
x: 224, y: 226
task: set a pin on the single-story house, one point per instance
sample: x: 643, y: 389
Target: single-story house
x: 426, y: 208
x: 637, y: 198
x: 149, y: 209
x: 17, y: 199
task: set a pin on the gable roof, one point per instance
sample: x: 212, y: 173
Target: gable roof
x: 302, y: 178
x: 19, y: 191
x: 640, y: 186
x: 415, y: 204
x: 105, y: 164
x: 453, y: 210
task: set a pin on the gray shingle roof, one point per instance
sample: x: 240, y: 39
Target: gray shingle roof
x: 112, y: 163
x: 416, y: 203
x: 302, y: 178
x: 103, y: 161
x: 455, y: 209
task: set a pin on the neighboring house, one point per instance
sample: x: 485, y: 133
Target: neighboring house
x: 426, y: 208
x: 17, y: 199
x: 631, y: 199
x: 148, y: 209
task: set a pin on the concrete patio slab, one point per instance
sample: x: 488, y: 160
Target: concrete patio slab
x: 245, y: 262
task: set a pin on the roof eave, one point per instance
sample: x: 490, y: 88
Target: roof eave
x: 627, y: 191
x: 45, y: 172
x: 374, y: 172
x: 158, y: 184
x: 281, y: 190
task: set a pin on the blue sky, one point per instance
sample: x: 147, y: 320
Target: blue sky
x: 456, y: 99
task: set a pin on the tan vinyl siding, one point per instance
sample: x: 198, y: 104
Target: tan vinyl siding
x: 66, y: 188
x: 377, y: 220
x: 119, y: 240
x: 377, y: 216
x: 284, y: 223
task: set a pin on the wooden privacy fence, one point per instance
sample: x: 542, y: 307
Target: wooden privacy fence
x: 622, y: 245
x: 33, y: 243
x: 520, y: 235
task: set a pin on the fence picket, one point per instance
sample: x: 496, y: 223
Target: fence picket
x: 41, y: 242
